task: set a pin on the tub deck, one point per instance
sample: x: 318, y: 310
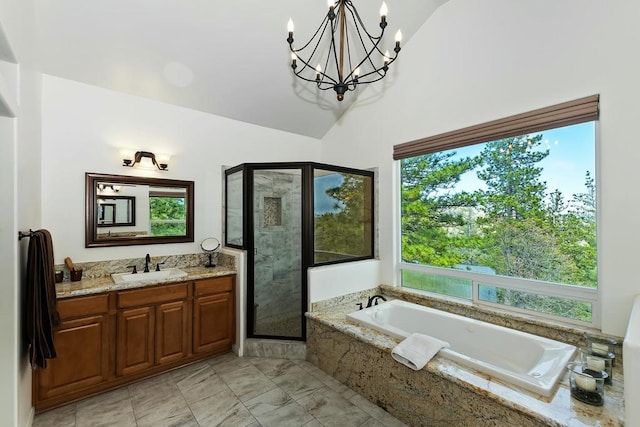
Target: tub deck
x: 337, y: 346
x: 529, y: 361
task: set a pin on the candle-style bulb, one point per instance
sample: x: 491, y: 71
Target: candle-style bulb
x: 318, y: 71
x: 386, y: 56
x: 398, y: 40
x: 383, y: 9
x: 383, y: 16
x: 356, y: 72
x: 330, y: 3
x: 290, y: 25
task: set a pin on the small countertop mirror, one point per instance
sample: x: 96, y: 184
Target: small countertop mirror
x: 210, y: 245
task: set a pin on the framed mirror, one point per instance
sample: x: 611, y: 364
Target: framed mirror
x: 129, y: 210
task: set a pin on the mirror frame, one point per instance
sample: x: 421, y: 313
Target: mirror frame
x: 91, y: 203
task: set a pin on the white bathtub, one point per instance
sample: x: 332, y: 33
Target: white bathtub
x: 528, y: 361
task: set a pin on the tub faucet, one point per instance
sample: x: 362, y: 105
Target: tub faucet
x: 147, y: 260
x: 373, y: 300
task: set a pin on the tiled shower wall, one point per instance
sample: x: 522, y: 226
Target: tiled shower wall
x: 277, y: 267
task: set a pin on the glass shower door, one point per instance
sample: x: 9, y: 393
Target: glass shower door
x: 277, y: 254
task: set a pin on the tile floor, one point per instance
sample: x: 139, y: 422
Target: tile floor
x: 227, y: 391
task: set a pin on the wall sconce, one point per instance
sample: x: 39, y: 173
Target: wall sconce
x: 161, y: 161
x: 114, y: 188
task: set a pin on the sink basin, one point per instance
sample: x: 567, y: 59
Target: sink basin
x: 152, y: 276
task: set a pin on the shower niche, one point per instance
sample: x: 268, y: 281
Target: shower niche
x: 289, y: 217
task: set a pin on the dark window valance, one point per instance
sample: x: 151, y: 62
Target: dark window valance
x: 565, y: 114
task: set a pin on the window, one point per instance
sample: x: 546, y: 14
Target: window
x: 507, y: 221
x: 168, y: 213
x: 343, y: 216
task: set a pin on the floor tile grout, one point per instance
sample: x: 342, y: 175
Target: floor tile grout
x: 301, y: 397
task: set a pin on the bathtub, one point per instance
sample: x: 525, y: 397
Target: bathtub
x: 525, y: 360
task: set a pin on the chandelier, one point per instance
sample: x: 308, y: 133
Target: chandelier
x: 335, y: 67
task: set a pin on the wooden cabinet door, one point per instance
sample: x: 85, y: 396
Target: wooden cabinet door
x: 83, y: 357
x: 213, y: 322
x: 135, y: 340
x: 172, y: 333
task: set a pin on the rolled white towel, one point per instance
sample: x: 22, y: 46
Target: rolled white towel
x: 417, y: 349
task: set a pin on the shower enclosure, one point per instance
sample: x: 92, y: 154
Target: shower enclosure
x: 289, y: 217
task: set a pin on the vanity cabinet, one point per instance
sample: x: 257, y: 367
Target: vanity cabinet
x: 213, y: 315
x: 152, y: 327
x: 172, y: 332
x: 82, y: 344
x: 112, y: 339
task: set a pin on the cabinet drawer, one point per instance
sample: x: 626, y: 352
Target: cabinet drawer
x: 214, y: 285
x: 83, y: 306
x: 152, y: 295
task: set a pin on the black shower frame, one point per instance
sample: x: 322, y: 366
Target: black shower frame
x: 308, y: 227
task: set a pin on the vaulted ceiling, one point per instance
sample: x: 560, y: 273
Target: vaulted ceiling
x: 226, y: 58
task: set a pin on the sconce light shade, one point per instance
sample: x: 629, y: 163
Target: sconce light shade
x: 163, y: 164
x: 106, y: 187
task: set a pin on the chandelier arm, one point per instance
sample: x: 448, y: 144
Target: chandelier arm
x: 332, y: 45
x: 356, y: 17
x: 351, y: 68
x: 321, y: 85
x: 381, y: 76
x: 323, y: 26
x: 307, y: 62
x: 375, y: 41
x: 381, y: 72
x: 296, y: 51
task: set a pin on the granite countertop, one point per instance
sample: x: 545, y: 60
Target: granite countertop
x: 106, y: 284
x: 558, y: 410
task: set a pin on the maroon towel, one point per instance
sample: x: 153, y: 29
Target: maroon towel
x: 40, y: 311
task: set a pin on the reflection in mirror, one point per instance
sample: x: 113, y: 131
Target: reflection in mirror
x: 167, y: 211
x: 144, y: 211
x: 115, y: 211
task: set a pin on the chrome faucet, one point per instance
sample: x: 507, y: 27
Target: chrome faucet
x: 147, y: 260
x: 373, y: 300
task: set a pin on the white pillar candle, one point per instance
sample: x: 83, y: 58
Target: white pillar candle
x: 595, y: 364
x: 601, y: 349
x: 586, y: 383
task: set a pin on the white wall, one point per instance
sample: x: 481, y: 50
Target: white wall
x: 334, y: 280
x: 20, y: 156
x: 476, y: 61
x: 83, y: 128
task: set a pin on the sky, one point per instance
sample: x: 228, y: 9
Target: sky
x: 571, y: 155
x: 322, y: 203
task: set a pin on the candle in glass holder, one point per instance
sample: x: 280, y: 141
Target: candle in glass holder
x: 586, y: 383
x: 585, y: 387
x: 599, y: 349
x: 595, y: 364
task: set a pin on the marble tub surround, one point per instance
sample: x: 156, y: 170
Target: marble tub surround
x: 443, y: 393
x: 106, y: 284
x: 555, y: 330
x: 351, y: 299
x: 101, y: 269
